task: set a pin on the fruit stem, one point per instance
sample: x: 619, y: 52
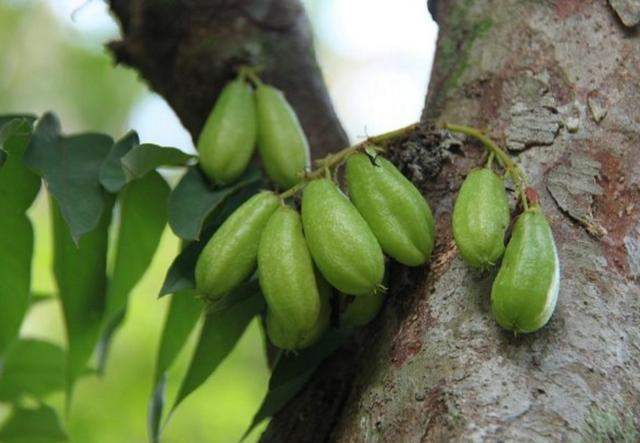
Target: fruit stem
x: 517, y: 175
x: 489, y: 163
x: 250, y: 73
x: 332, y: 161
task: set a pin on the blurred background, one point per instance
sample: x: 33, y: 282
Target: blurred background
x: 376, y: 57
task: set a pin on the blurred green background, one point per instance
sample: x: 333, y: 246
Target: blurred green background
x: 52, y: 58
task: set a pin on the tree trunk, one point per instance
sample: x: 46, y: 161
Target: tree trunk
x: 558, y: 83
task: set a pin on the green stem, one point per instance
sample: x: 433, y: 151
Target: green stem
x: 517, y: 175
x: 293, y: 190
x: 250, y: 73
x: 332, y: 161
x: 489, y: 163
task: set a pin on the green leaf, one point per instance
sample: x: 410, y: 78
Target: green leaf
x: 112, y: 175
x: 194, y: 199
x: 70, y: 166
x: 181, y: 274
x: 156, y: 405
x: 143, y: 216
x: 104, y: 344
x: 292, y: 371
x: 146, y: 157
x: 221, y: 331
x: 182, y: 317
x: 18, y: 189
x: 32, y: 367
x: 80, y: 275
x: 16, y: 244
x: 6, y: 118
x: 18, y: 185
x: 40, y: 425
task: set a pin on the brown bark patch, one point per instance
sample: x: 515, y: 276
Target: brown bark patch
x: 617, y: 209
x: 407, y: 342
x: 567, y: 8
x: 488, y: 91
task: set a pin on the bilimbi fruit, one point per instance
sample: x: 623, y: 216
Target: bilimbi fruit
x: 525, y: 291
x: 281, y: 140
x: 341, y: 243
x: 230, y: 256
x: 480, y: 218
x: 287, y: 280
x: 228, y: 138
x: 392, y: 206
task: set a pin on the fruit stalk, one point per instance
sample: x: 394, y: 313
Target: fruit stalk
x: 517, y: 175
x: 332, y: 161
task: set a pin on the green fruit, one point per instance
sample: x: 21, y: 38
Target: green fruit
x: 362, y: 310
x: 281, y: 140
x: 341, y: 243
x: 230, y: 255
x: 525, y: 291
x: 228, y: 137
x: 283, y: 336
x: 287, y: 277
x: 480, y: 218
x: 395, y: 210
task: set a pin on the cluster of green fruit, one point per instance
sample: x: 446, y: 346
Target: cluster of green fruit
x: 335, y: 242
x: 339, y: 242
x: 525, y: 290
x: 243, y: 118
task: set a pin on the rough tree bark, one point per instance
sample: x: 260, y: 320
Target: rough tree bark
x: 558, y: 82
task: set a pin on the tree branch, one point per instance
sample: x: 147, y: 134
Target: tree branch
x: 188, y: 49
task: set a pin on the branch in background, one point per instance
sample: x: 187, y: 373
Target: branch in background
x: 188, y: 49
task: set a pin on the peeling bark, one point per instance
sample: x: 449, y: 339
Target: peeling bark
x: 435, y: 366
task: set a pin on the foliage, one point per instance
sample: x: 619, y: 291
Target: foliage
x: 90, y: 179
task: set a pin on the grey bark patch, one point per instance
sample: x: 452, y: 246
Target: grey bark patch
x: 534, y: 114
x: 632, y: 244
x: 627, y: 10
x: 531, y: 127
x: 573, y: 189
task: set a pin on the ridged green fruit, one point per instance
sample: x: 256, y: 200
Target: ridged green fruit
x: 230, y: 256
x: 362, y: 310
x: 287, y: 277
x: 525, y: 291
x: 341, y: 243
x: 480, y: 218
x: 228, y: 138
x: 281, y: 140
x: 281, y: 334
x: 396, y: 211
